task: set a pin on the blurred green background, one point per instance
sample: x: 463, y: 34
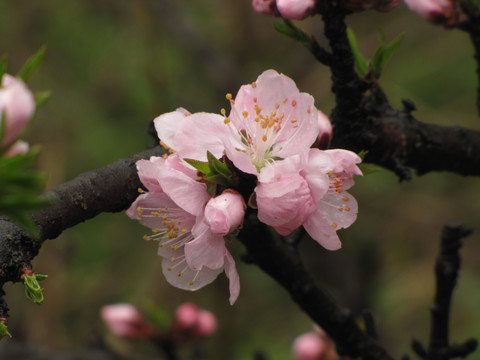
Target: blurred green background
x: 114, y: 65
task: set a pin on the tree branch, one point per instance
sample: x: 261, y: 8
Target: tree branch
x: 279, y: 259
x: 110, y: 189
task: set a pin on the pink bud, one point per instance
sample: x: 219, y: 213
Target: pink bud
x: 126, y: 321
x: 225, y: 212
x: 295, y: 9
x: 186, y: 316
x: 310, y: 346
x: 206, y: 324
x: 17, y: 103
x: 325, y: 134
x: 266, y: 7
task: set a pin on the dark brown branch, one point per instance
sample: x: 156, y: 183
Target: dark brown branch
x: 110, y: 189
x: 279, y: 259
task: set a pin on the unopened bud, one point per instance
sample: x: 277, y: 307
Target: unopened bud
x: 295, y: 9
x: 225, y: 212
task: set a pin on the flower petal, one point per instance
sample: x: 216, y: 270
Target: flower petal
x: 232, y: 274
x: 206, y: 250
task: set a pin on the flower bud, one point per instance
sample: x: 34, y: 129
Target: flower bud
x: 225, y: 212
x: 310, y: 346
x: 186, y: 316
x: 295, y: 9
x: 325, y: 133
x: 206, y: 324
x: 266, y: 7
x: 16, y: 108
x: 126, y: 321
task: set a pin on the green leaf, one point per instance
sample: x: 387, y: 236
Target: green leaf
x: 218, y: 179
x: 31, y: 64
x: 360, y: 63
x: 42, y: 98
x: 33, y: 291
x: 217, y: 166
x: 211, y: 189
x: 384, y: 53
x: 4, y: 331
x: 201, y: 166
x: 362, y: 154
x: 297, y: 34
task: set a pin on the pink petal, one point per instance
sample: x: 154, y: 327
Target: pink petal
x: 295, y: 9
x: 206, y: 250
x: 319, y: 164
x: 232, y: 274
x: 149, y: 171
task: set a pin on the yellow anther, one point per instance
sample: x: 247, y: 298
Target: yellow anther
x: 160, y: 244
x: 173, y: 259
x: 347, y: 208
x: 294, y: 103
x: 229, y: 96
x: 179, y: 274
x: 176, y: 247
x: 145, y: 237
x: 155, y: 213
x: 335, y: 225
x: 140, y: 215
x: 245, y: 114
x: 140, y: 190
x: 346, y: 198
x: 254, y: 84
x: 184, y: 230
x: 264, y: 137
x: 226, y: 121
x: 223, y: 111
x: 293, y: 121
x: 277, y: 105
x: 190, y: 282
x: 169, y: 268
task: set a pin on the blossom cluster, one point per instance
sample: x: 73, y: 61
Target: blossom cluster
x: 17, y: 106
x: 189, y: 323
x: 261, y: 154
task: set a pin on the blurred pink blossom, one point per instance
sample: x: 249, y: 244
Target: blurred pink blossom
x: 295, y: 9
x: 206, y: 324
x: 18, y: 147
x: 432, y: 9
x: 192, y: 322
x: 310, y: 346
x: 266, y: 7
x: 186, y: 316
x: 126, y: 321
x: 16, y: 108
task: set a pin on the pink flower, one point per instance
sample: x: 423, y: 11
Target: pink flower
x: 266, y: 7
x: 191, y: 135
x: 225, y: 212
x: 126, y: 321
x: 309, y: 189
x: 310, y: 346
x: 431, y: 9
x: 174, y: 210
x: 17, y: 148
x: 295, y: 9
x: 16, y: 108
x: 270, y: 120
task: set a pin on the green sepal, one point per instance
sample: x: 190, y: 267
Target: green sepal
x: 3, y: 66
x: 4, y: 331
x: 218, y: 179
x: 201, y: 166
x: 33, y: 291
x: 31, y: 64
x: 211, y: 188
x: 383, y: 54
x: 42, y: 98
x: 360, y: 63
x: 297, y: 34
x: 362, y: 154
x: 217, y: 166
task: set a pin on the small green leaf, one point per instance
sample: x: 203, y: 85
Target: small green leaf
x: 383, y: 54
x: 360, y: 63
x: 4, y: 331
x: 199, y: 165
x: 362, y: 154
x: 31, y: 64
x: 297, y: 34
x: 218, y: 179
x: 211, y: 189
x: 42, y: 98
x: 217, y: 166
x: 33, y: 291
